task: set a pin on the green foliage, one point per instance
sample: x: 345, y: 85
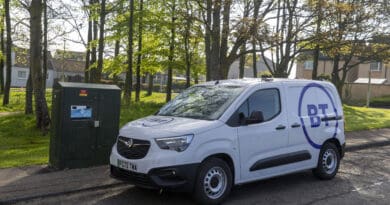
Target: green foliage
x: 381, y: 102
x: 265, y: 74
x: 324, y: 76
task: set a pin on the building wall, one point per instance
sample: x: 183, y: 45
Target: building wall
x: 16, y: 81
x: 383, y: 73
x: 324, y: 67
x: 359, y: 90
x: 234, y: 69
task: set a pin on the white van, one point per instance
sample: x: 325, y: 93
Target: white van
x: 223, y: 133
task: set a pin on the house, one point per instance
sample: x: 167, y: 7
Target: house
x: 20, y: 61
x: 71, y: 69
x: 69, y: 65
x: 234, y: 70
x: 357, y: 78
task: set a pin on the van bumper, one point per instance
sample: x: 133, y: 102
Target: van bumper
x: 342, y: 150
x: 175, y: 178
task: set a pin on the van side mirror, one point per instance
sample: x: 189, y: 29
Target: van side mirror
x: 255, y: 117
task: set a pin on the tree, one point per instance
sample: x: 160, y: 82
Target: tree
x: 171, y: 50
x: 2, y: 50
x: 41, y: 110
x: 129, y: 71
x: 8, y: 53
x: 222, y: 30
x: 188, y: 22
x: 354, y: 35
x: 98, y: 75
x: 139, y: 54
x: 286, y: 38
x: 45, y: 50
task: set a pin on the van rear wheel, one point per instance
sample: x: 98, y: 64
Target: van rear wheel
x: 214, y: 182
x: 328, y: 162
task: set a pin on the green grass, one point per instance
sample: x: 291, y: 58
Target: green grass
x: 362, y: 118
x: 21, y: 144
x: 17, y: 100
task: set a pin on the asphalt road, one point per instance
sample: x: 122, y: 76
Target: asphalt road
x: 363, y: 178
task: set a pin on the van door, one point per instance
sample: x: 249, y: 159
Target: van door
x: 312, y: 114
x: 261, y: 141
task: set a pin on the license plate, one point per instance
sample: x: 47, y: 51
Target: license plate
x: 127, y: 165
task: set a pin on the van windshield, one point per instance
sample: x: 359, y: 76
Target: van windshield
x: 207, y: 102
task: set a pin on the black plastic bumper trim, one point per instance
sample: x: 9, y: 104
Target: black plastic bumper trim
x: 175, y: 178
x: 281, y: 160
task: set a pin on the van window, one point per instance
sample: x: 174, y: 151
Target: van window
x: 202, y: 102
x: 267, y: 101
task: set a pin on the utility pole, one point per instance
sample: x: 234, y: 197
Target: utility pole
x: 369, y: 88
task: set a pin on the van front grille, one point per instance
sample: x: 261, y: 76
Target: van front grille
x: 132, y: 148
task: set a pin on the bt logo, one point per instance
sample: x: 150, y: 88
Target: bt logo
x: 312, y: 111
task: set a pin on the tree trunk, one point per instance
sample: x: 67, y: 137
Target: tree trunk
x: 129, y: 72
x: 45, y: 58
x: 335, y: 75
x: 171, y: 52
x: 223, y: 72
x: 41, y: 110
x: 88, y: 53
x: 93, y: 69
x: 99, y: 69
x: 116, y: 54
x: 150, y: 84
x: 187, y: 45
x: 241, y: 65
x: 215, y: 42
x: 28, y: 109
x: 2, y: 58
x: 8, y: 62
x: 316, y: 55
x: 139, y: 55
x: 208, y: 39
x: 254, y: 61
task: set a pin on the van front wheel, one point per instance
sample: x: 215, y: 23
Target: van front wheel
x: 328, y: 162
x: 214, y: 182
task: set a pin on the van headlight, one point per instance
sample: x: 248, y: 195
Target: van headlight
x: 178, y: 144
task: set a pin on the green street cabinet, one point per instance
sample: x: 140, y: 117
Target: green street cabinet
x: 85, y: 124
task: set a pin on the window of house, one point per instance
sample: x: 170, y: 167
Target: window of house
x: 22, y: 74
x: 375, y: 66
x: 308, y: 65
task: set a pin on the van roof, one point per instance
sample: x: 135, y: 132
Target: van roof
x: 256, y: 81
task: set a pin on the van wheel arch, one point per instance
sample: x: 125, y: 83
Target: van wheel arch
x: 336, y: 142
x: 225, y: 157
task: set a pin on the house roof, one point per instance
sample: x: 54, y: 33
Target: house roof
x: 373, y: 80
x: 69, y: 65
x: 309, y: 54
x: 22, y: 58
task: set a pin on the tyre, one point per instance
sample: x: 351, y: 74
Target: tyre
x: 214, y: 182
x: 328, y: 162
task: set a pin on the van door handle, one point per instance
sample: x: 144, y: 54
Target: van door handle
x: 280, y: 127
x: 295, y: 125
